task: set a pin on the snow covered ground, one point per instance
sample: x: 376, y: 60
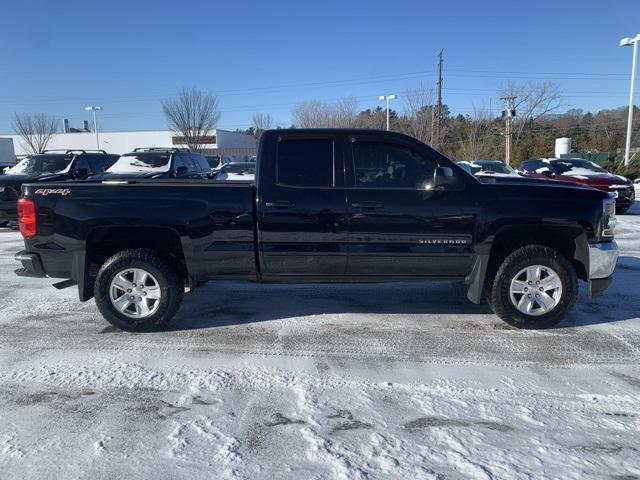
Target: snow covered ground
x: 363, y: 381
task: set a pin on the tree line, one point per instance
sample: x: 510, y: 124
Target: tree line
x: 193, y: 114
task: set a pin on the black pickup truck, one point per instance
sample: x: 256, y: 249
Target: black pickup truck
x: 326, y: 206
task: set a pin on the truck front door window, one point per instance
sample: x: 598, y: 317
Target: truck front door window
x: 379, y: 165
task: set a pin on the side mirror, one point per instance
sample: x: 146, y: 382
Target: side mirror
x: 444, y: 179
x: 182, y: 170
x: 82, y: 172
x: 545, y: 171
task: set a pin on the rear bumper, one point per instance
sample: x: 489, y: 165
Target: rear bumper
x: 31, y: 265
x: 602, y: 262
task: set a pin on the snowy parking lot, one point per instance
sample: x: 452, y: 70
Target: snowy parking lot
x: 358, y: 381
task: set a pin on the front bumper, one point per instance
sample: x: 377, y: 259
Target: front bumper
x: 602, y: 262
x: 31, y: 265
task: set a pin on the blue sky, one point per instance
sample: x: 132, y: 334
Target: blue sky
x: 59, y: 56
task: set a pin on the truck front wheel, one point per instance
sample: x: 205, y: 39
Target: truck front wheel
x: 535, y: 287
x: 136, y: 290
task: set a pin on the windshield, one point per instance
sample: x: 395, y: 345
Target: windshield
x: 576, y: 167
x: 40, y: 164
x: 496, y: 167
x: 140, y: 162
x: 467, y: 168
x: 239, y: 168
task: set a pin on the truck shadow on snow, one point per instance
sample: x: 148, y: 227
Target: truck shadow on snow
x: 222, y: 304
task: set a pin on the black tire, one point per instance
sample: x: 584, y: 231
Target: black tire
x: 170, y: 284
x: 500, y: 301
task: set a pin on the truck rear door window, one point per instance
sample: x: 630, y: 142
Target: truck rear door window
x: 383, y: 165
x: 305, y: 163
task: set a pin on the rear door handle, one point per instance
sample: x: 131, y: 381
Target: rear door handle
x: 279, y: 204
x: 367, y: 205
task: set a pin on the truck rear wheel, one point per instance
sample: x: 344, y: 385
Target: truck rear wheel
x: 138, y: 291
x: 535, y: 287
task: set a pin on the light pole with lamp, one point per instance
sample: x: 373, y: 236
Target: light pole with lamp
x: 626, y: 42
x: 387, y: 98
x: 95, y: 109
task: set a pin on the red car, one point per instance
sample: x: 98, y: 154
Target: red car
x: 578, y: 170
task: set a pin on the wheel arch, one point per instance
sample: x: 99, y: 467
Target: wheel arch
x: 105, y: 241
x: 568, y: 239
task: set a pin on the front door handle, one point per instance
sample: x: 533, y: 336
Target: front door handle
x: 367, y: 205
x: 279, y: 204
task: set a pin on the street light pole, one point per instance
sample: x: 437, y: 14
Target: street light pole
x: 387, y: 98
x: 625, y: 42
x: 95, y: 109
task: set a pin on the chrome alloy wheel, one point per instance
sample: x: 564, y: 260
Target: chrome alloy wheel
x: 134, y: 292
x: 535, y: 290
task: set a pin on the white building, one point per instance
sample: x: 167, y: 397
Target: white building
x: 222, y: 142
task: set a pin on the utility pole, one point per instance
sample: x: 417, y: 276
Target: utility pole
x: 435, y: 137
x: 508, y: 114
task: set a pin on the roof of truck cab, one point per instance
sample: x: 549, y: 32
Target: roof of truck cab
x: 336, y: 130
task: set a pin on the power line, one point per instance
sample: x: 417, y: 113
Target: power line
x: 607, y: 74
x: 346, y: 82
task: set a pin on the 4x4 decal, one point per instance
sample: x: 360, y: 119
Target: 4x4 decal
x: 53, y: 191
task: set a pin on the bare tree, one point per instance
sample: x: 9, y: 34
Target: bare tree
x: 419, y: 101
x: 477, y: 141
x: 261, y: 122
x: 192, y: 116
x: 35, y: 131
x: 344, y: 113
x: 533, y: 101
x: 376, y: 119
x: 317, y: 114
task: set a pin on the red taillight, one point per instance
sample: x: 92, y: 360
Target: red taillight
x: 27, y: 217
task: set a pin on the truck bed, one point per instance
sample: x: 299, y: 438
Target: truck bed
x: 213, y: 221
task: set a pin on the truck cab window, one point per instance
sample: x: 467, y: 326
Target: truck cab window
x: 305, y: 163
x: 381, y: 165
x: 97, y: 163
x: 178, y: 162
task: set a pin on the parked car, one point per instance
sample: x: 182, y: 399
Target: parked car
x: 335, y: 205
x: 54, y: 165
x: 583, y: 172
x: 237, y: 171
x: 214, y: 162
x: 5, y: 166
x: 157, y: 163
x: 492, y: 168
